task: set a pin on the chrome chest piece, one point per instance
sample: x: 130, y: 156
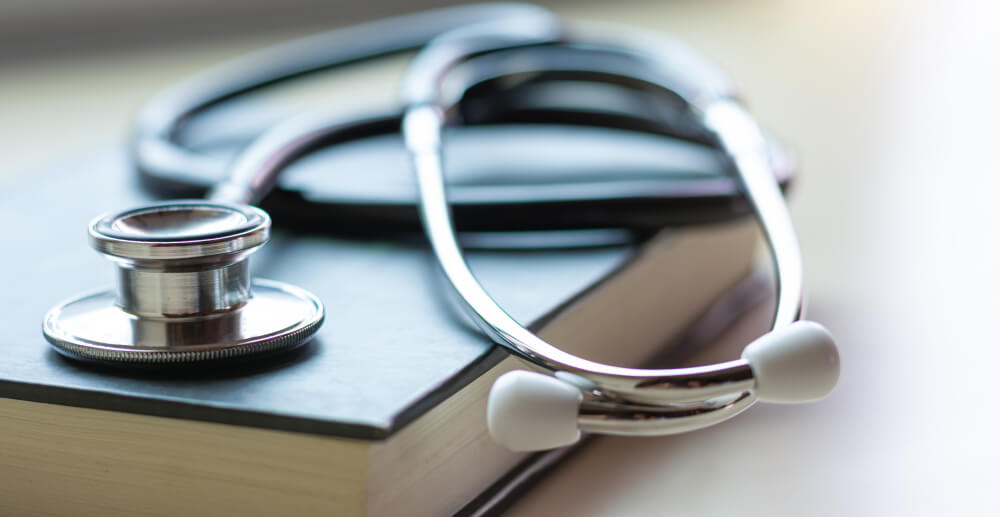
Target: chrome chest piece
x: 185, y: 292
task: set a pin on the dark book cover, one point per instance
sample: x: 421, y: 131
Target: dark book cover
x: 393, y: 344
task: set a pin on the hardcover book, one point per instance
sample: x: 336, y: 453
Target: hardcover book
x: 383, y: 413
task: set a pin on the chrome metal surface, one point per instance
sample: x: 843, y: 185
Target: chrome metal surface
x: 184, y: 290
x: 625, y: 401
x: 743, y: 141
x: 422, y: 128
x: 635, y: 420
x: 94, y: 327
x: 182, y: 258
x: 179, y: 230
x: 183, y: 293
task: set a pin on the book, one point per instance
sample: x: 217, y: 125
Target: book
x: 382, y: 414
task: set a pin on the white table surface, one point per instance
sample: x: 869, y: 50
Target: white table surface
x: 893, y: 108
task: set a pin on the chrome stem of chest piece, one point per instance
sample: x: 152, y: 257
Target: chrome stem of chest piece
x: 185, y: 292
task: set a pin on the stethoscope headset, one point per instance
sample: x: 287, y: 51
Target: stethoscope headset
x: 185, y: 293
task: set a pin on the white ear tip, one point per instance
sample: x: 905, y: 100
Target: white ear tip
x: 528, y: 411
x: 797, y: 363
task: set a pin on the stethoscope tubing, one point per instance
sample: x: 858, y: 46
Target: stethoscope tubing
x: 638, y: 205
x: 161, y: 160
x: 170, y: 169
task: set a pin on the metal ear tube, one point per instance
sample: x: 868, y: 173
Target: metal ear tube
x: 532, y: 411
x: 797, y: 361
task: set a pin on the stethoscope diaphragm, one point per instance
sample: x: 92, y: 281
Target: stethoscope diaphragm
x: 185, y: 293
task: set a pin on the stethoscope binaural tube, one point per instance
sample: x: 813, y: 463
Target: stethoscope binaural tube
x: 796, y: 362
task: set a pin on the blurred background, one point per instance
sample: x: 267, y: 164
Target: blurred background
x: 892, y: 108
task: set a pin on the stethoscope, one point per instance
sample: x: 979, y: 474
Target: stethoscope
x: 185, y: 293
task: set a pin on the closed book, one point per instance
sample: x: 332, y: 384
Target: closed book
x: 383, y: 413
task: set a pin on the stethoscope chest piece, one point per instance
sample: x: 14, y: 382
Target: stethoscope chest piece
x: 184, y: 291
